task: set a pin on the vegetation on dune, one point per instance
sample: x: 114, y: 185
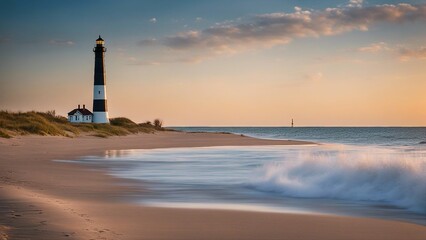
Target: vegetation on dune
x: 158, y: 123
x: 4, y: 135
x: 48, y: 123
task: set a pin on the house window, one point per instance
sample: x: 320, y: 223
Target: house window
x: 99, y: 92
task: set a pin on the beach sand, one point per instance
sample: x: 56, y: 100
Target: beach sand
x: 44, y: 199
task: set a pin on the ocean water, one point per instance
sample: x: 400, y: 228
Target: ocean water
x: 374, y: 172
x: 367, y: 136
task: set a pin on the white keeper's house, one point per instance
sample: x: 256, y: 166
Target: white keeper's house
x: 80, y: 115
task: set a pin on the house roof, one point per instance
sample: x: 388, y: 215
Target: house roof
x: 83, y: 111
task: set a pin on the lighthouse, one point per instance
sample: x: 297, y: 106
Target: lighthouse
x: 100, y: 108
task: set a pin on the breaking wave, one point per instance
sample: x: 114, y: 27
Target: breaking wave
x: 391, y: 177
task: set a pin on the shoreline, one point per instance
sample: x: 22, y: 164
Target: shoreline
x: 55, y: 200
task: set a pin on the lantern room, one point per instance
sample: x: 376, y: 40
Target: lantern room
x: 100, y: 41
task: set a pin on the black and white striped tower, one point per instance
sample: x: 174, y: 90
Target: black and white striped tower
x: 100, y: 109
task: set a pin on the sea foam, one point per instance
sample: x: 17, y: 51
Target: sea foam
x: 391, y: 177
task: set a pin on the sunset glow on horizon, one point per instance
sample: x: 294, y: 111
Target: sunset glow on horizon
x: 221, y: 63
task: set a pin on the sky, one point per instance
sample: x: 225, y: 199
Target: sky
x: 221, y: 63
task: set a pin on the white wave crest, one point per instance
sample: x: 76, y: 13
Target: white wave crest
x: 393, y: 177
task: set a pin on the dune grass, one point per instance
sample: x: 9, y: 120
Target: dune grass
x: 47, y: 123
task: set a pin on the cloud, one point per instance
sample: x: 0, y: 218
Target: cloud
x: 168, y: 59
x: 153, y: 20
x: 406, y: 54
x: 374, y: 47
x: 147, y: 42
x: 130, y: 58
x: 198, y: 19
x: 61, y: 42
x: 403, y: 53
x: 268, y: 30
x: 355, y: 3
x: 314, y: 77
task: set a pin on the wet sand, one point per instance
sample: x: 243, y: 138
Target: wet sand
x: 44, y: 199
